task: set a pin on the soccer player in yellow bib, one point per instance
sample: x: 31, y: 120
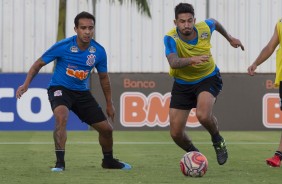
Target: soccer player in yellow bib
x: 197, y: 78
x: 265, y: 53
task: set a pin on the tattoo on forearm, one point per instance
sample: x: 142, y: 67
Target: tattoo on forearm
x: 178, y: 63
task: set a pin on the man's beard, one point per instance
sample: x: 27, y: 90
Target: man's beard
x: 187, y: 33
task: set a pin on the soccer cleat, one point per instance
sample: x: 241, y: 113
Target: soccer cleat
x: 115, y: 164
x: 59, y: 167
x: 273, y: 161
x: 221, y: 152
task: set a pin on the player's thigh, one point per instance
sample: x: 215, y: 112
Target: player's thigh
x: 87, y: 109
x: 178, y: 119
x: 183, y: 97
x: 205, y: 104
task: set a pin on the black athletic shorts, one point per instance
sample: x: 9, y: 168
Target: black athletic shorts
x: 184, y: 96
x: 82, y: 103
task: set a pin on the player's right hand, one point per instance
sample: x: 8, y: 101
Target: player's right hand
x: 251, y: 69
x: 20, y: 91
x: 197, y: 60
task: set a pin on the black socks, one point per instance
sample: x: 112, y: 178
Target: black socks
x: 279, y: 154
x: 108, y: 155
x: 216, y: 138
x: 191, y: 148
x: 60, y: 154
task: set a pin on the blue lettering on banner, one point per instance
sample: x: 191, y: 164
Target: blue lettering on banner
x: 32, y: 111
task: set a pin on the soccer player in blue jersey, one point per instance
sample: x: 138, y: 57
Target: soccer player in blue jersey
x: 68, y: 89
x: 197, y: 80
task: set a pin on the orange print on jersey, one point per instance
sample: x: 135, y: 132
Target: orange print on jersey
x: 80, y: 74
x: 137, y: 110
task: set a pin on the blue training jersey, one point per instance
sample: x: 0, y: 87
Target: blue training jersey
x: 73, y: 66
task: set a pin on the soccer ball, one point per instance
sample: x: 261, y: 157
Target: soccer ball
x: 194, y: 164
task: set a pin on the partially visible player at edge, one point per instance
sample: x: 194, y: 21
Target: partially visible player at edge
x: 68, y: 89
x: 197, y: 78
x: 265, y: 53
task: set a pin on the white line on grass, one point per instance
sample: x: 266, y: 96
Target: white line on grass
x: 134, y: 143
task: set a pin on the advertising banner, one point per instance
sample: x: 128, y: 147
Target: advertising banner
x: 142, y: 102
x: 32, y: 111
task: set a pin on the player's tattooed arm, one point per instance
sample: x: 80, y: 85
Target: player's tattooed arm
x: 176, y: 62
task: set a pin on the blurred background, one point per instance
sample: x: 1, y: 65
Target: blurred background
x: 132, y: 33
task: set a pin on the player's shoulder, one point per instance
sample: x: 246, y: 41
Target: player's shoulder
x: 205, y: 22
x: 279, y: 24
x: 280, y: 21
x: 63, y: 43
x: 172, y: 33
x: 66, y: 40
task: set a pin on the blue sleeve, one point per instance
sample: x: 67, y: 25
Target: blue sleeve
x: 170, y: 45
x: 102, y: 64
x: 211, y: 24
x: 52, y: 53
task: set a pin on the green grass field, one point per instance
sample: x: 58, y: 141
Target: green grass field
x: 26, y: 158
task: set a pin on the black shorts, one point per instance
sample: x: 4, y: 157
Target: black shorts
x: 82, y: 103
x: 184, y: 96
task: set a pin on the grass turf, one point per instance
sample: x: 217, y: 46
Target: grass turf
x: 26, y: 158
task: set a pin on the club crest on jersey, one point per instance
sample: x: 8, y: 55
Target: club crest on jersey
x: 74, y: 49
x: 92, y: 49
x: 58, y: 93
x: 91, y: 60
x: 175, y: 36
x: 205, y: 35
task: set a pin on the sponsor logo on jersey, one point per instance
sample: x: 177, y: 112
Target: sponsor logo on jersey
x: 74, y: 49
x: 91, y: 60
x: 92, y: 49
x: 205, y: 35
x: 80, y: 74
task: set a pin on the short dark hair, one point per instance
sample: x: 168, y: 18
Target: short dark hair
x: 83, y: 15
x: 183, y: 8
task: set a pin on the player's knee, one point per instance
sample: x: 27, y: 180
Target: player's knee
x: 106, y: 132
x: 61, y: 120
x: 176, y: 135
x: 203, y: 117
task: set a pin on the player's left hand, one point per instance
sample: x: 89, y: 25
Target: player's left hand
x: 111, y: 112
x: 234, y: 42
x: 251, y: 69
